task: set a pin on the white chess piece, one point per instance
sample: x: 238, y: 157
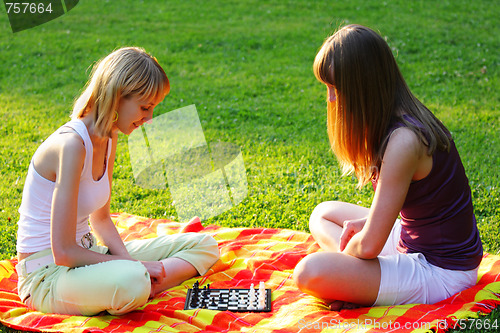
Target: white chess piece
x: 251, y: 297
x: 233, y: 296
x: 262, y: 304
x: 251, y: 300
x: 262, y: 289
x: 251, y: 292
x: 262, y: 296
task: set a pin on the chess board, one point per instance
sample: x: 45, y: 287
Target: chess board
x: 222, y: 300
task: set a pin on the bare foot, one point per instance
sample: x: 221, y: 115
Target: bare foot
x: 341, y: 305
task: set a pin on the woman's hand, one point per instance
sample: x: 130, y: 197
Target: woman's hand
x: 350, y: 228
x: 156, y: 272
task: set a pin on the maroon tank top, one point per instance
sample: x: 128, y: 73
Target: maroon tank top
x: 437, y: 217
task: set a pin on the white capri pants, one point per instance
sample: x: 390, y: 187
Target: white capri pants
x: 117, y: 286
x: 409, y: 278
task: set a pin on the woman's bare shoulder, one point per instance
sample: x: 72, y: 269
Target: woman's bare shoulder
x: 59, y: 149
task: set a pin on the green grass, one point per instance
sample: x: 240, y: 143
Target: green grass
x: 247, y: 65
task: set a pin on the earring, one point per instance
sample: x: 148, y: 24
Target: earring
x: 115, y: 118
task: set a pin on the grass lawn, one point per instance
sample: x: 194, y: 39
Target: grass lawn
x: 247, y: 66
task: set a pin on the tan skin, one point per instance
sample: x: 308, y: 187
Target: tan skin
x: 61, y: 161
x: 348, y: 272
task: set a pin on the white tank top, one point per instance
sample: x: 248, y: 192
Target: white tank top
x: 33, y: 232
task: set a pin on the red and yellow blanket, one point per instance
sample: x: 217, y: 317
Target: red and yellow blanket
x: 250, y: 256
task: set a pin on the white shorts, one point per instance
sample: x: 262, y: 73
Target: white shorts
x: 409, y: 278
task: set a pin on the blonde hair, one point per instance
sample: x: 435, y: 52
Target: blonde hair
x: 371, y: 95
x: 126, y: 72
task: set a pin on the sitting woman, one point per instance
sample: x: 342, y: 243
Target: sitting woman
x: 61, y: 268
x: 380, y: 131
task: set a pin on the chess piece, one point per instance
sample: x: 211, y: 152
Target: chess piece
x: 203, y: 304
x: 194, y: 300
x: 233, y: 296
x: 262, y: 296
x: 194, y: 297
x: 262, y: 287
x: 262, y: 291
x: 251, y: 299
x: 262, y: 304
x: 251, y: 292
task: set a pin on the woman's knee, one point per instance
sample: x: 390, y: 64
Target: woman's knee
x: 202, y: 252
x: 116, y: 286
x: 132, y: 286
x: 193, y: 244
x: 337, y: 212
x: 308, y: 274
x: 300, y: 273
x: 131, y: 273
x: 322, y: 210
x: 208, y: 241
x: 320, y: 271
x: 321, y: 213
x: 209, y: 245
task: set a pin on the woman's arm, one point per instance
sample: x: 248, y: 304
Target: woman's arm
x: 401, y: 159
x: 67, y: 162
x: 105, y: 230
x: 102, y: 225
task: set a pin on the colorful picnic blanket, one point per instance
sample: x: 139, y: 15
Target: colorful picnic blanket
x: 251, y: 255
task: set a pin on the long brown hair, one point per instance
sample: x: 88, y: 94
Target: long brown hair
x: 371, y: 94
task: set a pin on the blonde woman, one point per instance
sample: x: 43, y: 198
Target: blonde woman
x: 383, y: 134
x: 61, y: 268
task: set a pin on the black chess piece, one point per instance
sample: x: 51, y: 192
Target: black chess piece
x: 196, y: 289
x: 194, y: 300
x: 203, y: 304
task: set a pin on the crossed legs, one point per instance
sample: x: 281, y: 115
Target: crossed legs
x: 331, y: 275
